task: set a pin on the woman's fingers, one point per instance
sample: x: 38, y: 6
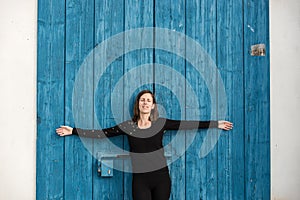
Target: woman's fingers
x: 60, y: 131
x: 226, y: 125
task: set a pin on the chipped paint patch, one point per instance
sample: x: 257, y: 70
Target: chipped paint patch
x: 251, y: 28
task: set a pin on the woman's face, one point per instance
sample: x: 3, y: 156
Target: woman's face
x: 146, y: 103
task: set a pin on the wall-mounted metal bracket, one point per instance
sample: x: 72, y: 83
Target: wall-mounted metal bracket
x: 105, y: 163
x: 258, y: 50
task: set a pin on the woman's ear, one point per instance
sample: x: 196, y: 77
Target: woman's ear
x: 153, y: 106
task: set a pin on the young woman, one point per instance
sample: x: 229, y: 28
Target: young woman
x: 151, y: 180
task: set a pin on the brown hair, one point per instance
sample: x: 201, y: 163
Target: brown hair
x: 136, y: 110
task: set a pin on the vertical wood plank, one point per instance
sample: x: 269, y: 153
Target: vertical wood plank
x: 109, y: 20
x: 201, y: 172
x: 257, y: 101
x: 138, y: 14
x: 230, y: 64
x: 79, y: 42
x: 50, y: 100
x: 171, y: 14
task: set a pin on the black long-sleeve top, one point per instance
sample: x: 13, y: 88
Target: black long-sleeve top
x: 146, y: 147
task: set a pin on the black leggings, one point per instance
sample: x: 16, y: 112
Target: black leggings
x: 151, y: 186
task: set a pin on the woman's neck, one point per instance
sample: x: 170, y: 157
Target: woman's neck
x: 144, y: 121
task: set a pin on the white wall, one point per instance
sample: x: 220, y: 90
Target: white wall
x: 18, y: 99
x: 285, y: 99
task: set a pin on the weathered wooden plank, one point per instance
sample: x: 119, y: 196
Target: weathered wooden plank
x: 79, y: 42
x: 138, y: 14
x: 50, y: 100
x: 257, y: 101
x: 171, y: 15
x: 201, y: 173
x: 230, y: 64
x: 109, y: 20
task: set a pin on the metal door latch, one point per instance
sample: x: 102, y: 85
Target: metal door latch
x: 105, y: 168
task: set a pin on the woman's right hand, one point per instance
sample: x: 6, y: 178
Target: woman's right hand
x: 64, y: 130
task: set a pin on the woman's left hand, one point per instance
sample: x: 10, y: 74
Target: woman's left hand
x: 225, y: 125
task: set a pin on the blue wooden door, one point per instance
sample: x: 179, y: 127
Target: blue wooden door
x: 95, y: 55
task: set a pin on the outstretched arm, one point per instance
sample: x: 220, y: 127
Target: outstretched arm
x: 189, y: 124
x: 108, y: 132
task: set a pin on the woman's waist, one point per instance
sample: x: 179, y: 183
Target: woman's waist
x: 162, y: 171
